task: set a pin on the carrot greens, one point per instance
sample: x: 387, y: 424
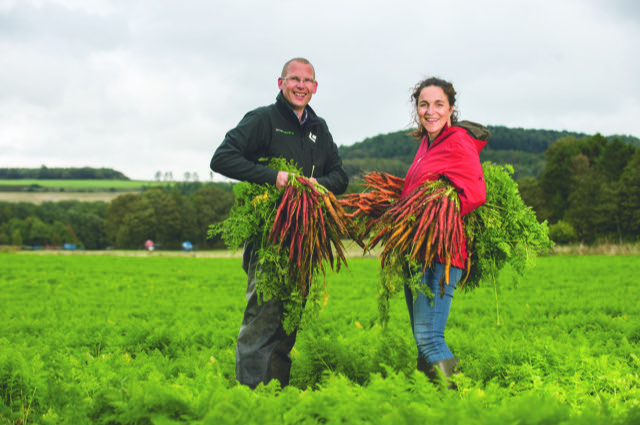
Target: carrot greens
x: 426, y: 226
x: 297, y: 232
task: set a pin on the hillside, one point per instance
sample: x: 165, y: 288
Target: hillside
x: 522, y: 148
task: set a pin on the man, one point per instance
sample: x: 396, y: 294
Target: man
x: 290, y: 129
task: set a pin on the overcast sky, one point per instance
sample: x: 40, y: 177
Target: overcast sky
x: 142, y: 86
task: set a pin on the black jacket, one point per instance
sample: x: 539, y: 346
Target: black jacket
x: 274, y: 131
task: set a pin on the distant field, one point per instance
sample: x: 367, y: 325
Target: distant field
x: 40, y: 197
x: 65, y: 190
x: 84, y: 184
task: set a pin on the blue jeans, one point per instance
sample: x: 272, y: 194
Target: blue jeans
x: 429, y: 316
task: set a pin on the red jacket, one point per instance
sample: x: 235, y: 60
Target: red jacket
x: 454, y: 154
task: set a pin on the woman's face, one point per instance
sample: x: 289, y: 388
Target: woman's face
x: 434, y: 110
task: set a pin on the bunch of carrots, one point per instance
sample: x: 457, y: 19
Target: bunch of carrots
x: 382, y: 191
x: 423, y: 226
x: 308, y: 221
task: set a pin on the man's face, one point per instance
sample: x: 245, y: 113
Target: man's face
x: 298, y: 85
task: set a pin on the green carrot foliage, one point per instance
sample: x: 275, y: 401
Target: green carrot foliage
x: 503, y: 231
x: 277, y: 277
x: 150, y: 339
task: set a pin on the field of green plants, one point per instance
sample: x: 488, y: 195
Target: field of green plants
x: 150, y: 340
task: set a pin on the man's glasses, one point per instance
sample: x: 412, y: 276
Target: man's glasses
x: 298, y: 80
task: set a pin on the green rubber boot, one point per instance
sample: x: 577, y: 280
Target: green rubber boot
x: 439, y: 372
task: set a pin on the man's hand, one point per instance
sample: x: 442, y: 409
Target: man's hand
x: 282, y: 179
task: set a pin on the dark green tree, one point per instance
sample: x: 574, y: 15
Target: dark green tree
x: 88, y: 228
x: 138, y: 225
x: 189, y: 220
x: 629, y: 198
x: 556, y: 181
x: 116, y: 212
x: 614, y: 158
x: 532, y: 194
x: 17, y: 227
x: 608, y: 213
x: 60, y: 234
x: 22, y: 210
x: 212, y: 205
x: 155, y: 196
x: 39, y: 232
x: 584, y: 188
x: 168, y: 222
x: 16, y: 238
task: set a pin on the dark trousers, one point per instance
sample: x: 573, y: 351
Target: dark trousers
x: 263, y: 348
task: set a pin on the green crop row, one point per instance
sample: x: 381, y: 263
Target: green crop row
x: 142, y: 340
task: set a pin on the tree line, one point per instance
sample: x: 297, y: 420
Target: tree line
x: 45, y: 173
x: 167, y: 215
x: 586, y: 187
x: 522, y: 148
x: 589, y: 190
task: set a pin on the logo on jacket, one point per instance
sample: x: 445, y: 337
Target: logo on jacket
x: 312, y: 137
x: 279, y: 130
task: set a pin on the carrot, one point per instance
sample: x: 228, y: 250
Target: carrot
x: 281, y: 207
x: 447, y: 266
x: 467, y: 269
x: 373, y: 242
x: 344, y: 220
x: 404, y: 241
x: 432, y: 229
x: 304, y: 211
x: 333, y: 214
x: 306, y: 182
x: 291, y: 208
x: 450, y: 221
x: 299, y: 237
x: 315, y: 240
x: 417, y: 247
x: 442, y: 224
x: 292, y: 246
x: 324, y: 233
x: 397, y: 232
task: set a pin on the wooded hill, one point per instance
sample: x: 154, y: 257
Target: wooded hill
x: 522, y: 148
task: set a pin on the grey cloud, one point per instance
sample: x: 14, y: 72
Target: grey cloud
x: 62, y: 26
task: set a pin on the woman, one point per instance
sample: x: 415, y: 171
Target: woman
x: 447, y: 151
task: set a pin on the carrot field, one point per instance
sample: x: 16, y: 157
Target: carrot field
x: 151, y: 340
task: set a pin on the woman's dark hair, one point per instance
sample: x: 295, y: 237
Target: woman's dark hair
x: 421, y: 132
